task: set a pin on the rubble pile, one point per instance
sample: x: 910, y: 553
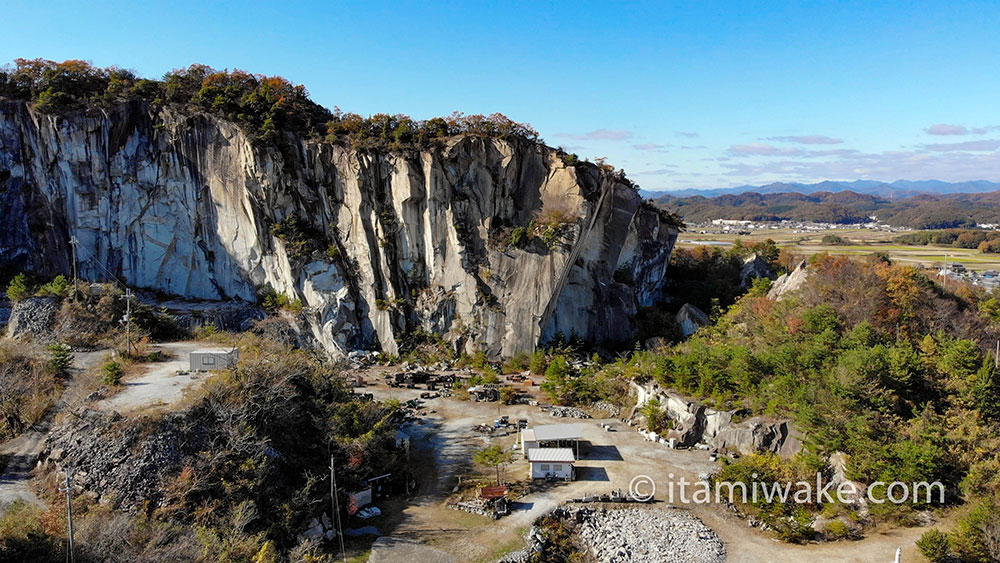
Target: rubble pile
x: 623, y: 535
x: 567, y: 412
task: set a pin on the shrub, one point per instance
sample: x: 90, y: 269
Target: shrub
x: 934, y: 545
x: 206, y: 331
x: 515, y: 364
x: 301, y: 239
x: 272, y: 302
x: 27, y: 388
x: 836, y: 529
x: 656, y: 416
x: 494, y: 457
x: 58, y: 287
x: 558, y: 368
x: 22, y: 534
x: 518, y: 237
x: 112, y: 373
x: 977, y: 535
x: 17, y: 290
x: 538, y: 363
x: 60, y: 360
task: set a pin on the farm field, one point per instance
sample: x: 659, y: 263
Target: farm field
x: 863, y: 241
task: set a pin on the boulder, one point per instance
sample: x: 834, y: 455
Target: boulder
x: 690, y: 319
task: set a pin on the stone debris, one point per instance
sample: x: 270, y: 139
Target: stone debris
x: 613, y: 411
x: 567, y: 412
x: 32, y: 317
x: 623, y: 535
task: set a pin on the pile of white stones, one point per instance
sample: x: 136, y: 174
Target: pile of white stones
x: 567, y: 412
x: 622, y: 535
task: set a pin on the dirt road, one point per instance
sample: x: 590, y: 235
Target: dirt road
x: 24, y: 450
x: 612, y: 460
x: 160, y: 384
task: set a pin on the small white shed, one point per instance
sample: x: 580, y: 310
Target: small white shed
x: 208, y: 360
x: 556, y: 463
x: 528, y: 441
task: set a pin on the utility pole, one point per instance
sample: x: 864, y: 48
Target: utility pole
x: 76, y: 289
x: 71, y: 553
x: 128, y: 321
x: 336, y: 508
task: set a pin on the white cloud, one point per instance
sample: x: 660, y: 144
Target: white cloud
x: 946, y: 129
x: 599, y: 135
x: 807, y: 140
x: 981, y: 145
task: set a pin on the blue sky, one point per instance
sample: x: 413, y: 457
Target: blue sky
x: 687, y: 94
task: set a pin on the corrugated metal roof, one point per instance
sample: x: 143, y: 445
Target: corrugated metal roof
x: 564, y: 455
x: 528, y: 435
x: 550, y: 432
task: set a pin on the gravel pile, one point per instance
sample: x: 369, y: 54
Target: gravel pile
x: 33, y: 317
x: 650, y: 535
x: 612, y: 410
x: 568, y: 412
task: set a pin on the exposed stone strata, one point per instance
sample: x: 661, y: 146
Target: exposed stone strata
x: 184, y: 203
x: 694, y: 423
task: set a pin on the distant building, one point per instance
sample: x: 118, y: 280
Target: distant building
x: 208, y: 360
x: 554, y: 463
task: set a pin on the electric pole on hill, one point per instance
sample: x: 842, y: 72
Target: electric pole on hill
x: 335, y: 506
x: 71, y: 551
x: 76, y: 289
x: 128, y: 321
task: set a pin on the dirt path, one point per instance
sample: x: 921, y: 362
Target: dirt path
x: 160, y: 384
x: 448, y: 442
x: 24, y: 450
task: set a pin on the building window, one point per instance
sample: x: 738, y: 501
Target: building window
x: 545, y: 467
x: 557, y: 468
x: 209, y: 360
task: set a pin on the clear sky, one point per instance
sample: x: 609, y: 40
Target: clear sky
x: 686, y: 94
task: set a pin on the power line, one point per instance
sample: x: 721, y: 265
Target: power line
x: 77, y: 247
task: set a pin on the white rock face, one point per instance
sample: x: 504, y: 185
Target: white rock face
x: 695, y: 423
x: 184, y: 203
x: 690, y: 319
x: 789, y: 283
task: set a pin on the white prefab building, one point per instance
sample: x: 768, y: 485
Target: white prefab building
x: 551, y: 436
x: 556, y: 463
x: 208, y: 360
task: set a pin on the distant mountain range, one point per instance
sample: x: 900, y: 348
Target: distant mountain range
x: 889, y: 190
x: 919, y: 211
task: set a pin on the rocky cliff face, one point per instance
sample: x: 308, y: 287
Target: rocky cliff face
x: 386, y: 242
